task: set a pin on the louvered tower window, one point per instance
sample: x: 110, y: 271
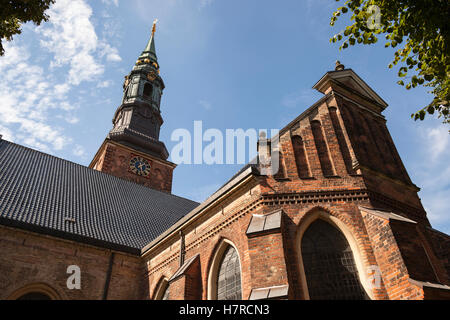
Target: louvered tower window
x: 330, y: 268
x: 148, y: 90
x: 229, y: 277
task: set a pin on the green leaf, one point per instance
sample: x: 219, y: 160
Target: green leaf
x: 422, y: 115
x: 423, y: 26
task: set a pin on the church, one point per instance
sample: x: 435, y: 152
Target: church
x: 339, y: 220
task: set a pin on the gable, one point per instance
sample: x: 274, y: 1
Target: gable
x: 350, y: 79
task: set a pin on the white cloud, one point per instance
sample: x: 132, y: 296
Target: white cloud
x: 439, y: 141
x: 205, y: 3
x: 72, y: 39
x: 205, y: 104
x: 110, y: 2
x: 105, y: 84
x: 26, y: 98
x: 35, y: 86
x: 431, y: 172
x: 6, y: 133
x: 111, y: 54
x: 79, y: 151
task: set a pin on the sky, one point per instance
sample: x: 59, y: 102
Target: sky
x: 230, y: 64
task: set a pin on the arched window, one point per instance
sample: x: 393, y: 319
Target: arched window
x: 162, y: 291
x: 322, y: 149
x: 300, y: 157
x: 166, y: 294
x: 148, y: 90
x: 36, y: 291
x: 35, y: 296
x: 229, y: 276
x: 330, y: 268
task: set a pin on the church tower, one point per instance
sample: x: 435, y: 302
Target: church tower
x: 132, y: 149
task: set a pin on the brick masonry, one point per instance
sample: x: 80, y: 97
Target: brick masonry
x: 114, y: 158
x: 356, y: 164
x: 27, y: 258
x: 337, y: 157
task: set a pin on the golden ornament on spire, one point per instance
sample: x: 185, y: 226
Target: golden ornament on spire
x: 154, y: 27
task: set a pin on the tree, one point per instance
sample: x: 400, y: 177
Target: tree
x: 13, y: 13
x: 422, y: 27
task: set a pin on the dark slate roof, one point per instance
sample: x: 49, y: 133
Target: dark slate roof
x: 45, y: 194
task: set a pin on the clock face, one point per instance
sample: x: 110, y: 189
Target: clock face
x: 140, y: 166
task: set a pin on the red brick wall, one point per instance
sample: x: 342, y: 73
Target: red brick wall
x: 187, y: 286
x: 348, y: 160
x: 115, y: 160
x: 389, y: 259
x: 27, y: 258
x: 228, y: 222
x: 267, y: 260
x: 362, y: 168
x: 412, y: 250
x: 440, y: 245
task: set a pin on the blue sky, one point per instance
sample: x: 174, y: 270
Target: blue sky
x: 232, y: 64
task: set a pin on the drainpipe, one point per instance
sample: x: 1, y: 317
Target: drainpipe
x: 108, y: 276
x: 182, y: 248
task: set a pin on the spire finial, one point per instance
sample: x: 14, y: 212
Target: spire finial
x: 148, y: 56
x: 339, y: 66
x: 154, y: 27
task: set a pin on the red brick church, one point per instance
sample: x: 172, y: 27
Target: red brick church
x: 341, y: 218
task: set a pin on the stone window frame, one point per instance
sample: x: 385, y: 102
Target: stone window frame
x: 215, y: 266
x: 161, y: 288
x: 42, y: 288
x: 358, y: 256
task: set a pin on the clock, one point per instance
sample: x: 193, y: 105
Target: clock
x: 140, y: 166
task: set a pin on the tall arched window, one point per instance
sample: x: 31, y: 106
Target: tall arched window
x: 330, y: 268
x: 229, y: 276
x: 300, y: 157
x: 322, y: 149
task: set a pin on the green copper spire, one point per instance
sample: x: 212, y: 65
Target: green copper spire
x: 148, y: 56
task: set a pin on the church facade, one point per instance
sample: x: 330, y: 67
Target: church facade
x: 340, y: 219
